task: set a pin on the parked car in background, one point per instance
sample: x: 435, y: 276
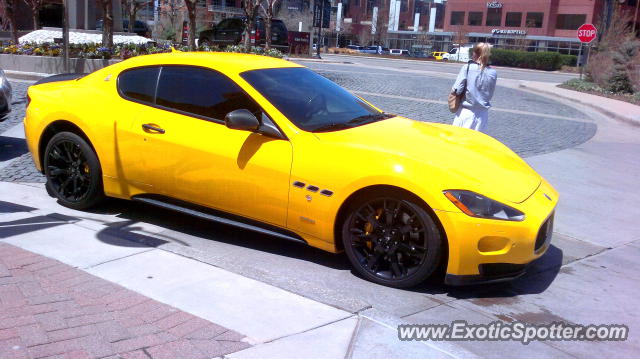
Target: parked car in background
x: 438, y: 55
x: 230, y: 31
x: 458, y: 54
x: 139, y: 27
x: 5, y: 96
x: 399, y: 52
x: 355, y: 47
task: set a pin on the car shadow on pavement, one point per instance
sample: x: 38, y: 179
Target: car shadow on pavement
x: 11, y: 147
x: 189, y: 226
x: 538, y: 277
x: 30, y: 224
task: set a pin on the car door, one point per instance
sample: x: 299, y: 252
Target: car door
x: 137, y: 88
x: 189, y: 153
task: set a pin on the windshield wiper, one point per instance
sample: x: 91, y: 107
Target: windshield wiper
x: 369, y: 118
x: 331, y: 127
x: 360, y: 120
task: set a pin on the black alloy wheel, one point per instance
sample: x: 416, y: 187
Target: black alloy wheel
x: 392, y: 241
x: 73, y: 171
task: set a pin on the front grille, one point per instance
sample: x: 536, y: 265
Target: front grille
x: 545, y: 233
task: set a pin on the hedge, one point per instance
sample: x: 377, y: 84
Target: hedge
x: 546, y: 60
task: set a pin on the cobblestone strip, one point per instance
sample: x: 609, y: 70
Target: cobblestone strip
x: 51, y: 310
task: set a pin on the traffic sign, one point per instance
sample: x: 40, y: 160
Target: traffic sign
x: 587, y: 33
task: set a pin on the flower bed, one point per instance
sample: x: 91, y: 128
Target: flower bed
x: 593, y: 89
x: 120, y: 51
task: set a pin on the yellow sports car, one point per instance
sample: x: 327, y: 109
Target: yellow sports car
x: 271, y: 146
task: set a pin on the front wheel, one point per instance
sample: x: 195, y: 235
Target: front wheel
x: 392, y: 241
x: 73, y: 171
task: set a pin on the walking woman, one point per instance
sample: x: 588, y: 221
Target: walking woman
x: 478, y: 80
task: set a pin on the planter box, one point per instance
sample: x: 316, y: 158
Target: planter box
x: 51, y: 65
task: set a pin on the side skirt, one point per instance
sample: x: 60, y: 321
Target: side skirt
x: 219, y: 217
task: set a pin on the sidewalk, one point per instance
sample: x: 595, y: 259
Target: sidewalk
x: 619, y: 110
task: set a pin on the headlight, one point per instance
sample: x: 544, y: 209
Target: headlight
x: 476, y: 205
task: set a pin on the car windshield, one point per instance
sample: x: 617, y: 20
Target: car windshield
x: 312, y: 102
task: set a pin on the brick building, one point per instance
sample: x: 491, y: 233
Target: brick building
x: 536, y: 25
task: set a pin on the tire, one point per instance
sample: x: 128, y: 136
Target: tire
x: 391, y: 240
x: 73, y: 172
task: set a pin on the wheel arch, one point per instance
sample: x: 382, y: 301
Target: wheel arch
x: 54, y: 128
x: 372, y: 189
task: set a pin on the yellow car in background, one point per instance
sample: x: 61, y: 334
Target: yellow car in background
x: 438, y: 55
x: 271, y: 146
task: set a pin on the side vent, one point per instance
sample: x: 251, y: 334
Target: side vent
x: 298, y: 184
x: 326, y: 192
x: 312, y: 188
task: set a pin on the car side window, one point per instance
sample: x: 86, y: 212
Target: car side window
x: 139, y: 84
x: 237, y: 24
x: 201, y: 92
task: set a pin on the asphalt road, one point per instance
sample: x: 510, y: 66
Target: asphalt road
x: 446, y: 68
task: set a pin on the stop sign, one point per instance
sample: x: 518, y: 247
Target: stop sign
x: 586, y: 33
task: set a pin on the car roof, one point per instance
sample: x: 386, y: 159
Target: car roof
x: 226, y: 62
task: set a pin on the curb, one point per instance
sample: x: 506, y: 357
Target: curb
x: 615, y: 115
x: 27, y: 76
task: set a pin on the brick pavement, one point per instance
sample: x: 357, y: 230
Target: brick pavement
x: 51, y: 310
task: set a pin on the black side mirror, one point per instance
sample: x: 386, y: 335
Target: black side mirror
x: 242, y: 120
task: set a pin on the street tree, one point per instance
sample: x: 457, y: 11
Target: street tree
x: 170, y: 10
x: 131, y: 7
x: 191, y: 12
x: 9, y: 17
x: 35, y: 6
x: 251, y: 8
x: 268, y: 7
x: 107, y: 22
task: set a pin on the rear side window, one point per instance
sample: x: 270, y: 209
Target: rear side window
x: 139, y: 84
x: 201, y: 92
x: 224, y: 24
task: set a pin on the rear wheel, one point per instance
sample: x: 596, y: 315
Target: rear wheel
x: 73, y: 171
x: 391, y: 240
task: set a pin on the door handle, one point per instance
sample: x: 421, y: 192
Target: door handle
x: 150, y: 127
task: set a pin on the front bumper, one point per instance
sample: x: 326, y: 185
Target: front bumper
x: 486, y: 251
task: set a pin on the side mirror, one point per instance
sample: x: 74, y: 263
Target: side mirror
x: 242, y: 120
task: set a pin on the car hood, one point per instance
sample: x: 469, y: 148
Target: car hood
x: 467, y: 159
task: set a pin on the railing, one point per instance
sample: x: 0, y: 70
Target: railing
x: 225, y: 9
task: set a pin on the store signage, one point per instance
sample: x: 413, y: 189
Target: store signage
x: 494, y: 5
x: 508, y: 32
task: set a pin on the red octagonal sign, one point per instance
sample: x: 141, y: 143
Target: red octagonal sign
x: 586, y: 33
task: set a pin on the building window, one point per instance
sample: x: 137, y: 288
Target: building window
x: 514, y: 19
x: 457, y: 18
x: 534, y: 19
x: 570, y: 21
x: 475, y: 18
x: 494, y: 17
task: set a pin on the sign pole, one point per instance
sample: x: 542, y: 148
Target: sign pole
x: 65, y: 35
x: 586, y: 34
x: 580, y: 60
